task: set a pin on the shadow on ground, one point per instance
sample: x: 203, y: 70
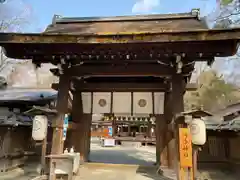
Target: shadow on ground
x: 217, y: 171
x: 152, y: 173
x: 118, y: 157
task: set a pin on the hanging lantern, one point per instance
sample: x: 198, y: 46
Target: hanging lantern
x: 198, y: 131
x: 39, y: 128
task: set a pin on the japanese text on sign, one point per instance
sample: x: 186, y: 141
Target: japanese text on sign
x: 185, y: 145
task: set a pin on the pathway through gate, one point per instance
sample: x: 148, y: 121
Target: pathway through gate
x: 123, y: 162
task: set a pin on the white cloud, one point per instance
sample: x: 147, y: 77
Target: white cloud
x: 144, y: 6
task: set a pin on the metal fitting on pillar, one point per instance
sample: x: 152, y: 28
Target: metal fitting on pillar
x: 179, y: 64
x: 62, y: 60
x: 60, y: 68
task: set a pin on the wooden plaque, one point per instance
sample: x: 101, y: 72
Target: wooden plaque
x: 185, y: 148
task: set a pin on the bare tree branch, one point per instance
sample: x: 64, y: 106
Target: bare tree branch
x: 230, y: 12
x: 13, y: 15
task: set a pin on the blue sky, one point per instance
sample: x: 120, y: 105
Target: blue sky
x: 42, y: 11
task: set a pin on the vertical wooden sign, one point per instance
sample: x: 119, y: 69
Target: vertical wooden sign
x: 185, y: 150
x: 185, y: 146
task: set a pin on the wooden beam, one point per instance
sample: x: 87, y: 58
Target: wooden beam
x: 166, y: 35
x: 118, y: 70
x: 132, y: 57
x: 123, y: 87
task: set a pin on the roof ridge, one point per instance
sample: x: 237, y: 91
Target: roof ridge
x: 58, y: 19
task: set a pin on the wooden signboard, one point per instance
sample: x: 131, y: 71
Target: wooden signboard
x: 185, y: 147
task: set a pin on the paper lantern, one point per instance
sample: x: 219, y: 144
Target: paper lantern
x: 39, y: 128
x: 198, y: 131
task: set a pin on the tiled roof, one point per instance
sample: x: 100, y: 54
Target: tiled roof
x: 24, y: 94
x: 126, y: 24
x: 233, y: 125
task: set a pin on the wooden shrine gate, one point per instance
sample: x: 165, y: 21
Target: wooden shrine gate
x: 154, y: 53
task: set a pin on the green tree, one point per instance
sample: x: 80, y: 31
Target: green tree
x: 213, y: 93
x: 226, y: 2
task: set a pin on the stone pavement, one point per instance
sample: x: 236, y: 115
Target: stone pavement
x: 125, y: 154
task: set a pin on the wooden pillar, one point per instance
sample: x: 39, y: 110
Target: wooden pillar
x: 195, y: 155
x: 149, y: 126
x: 158, y: 139
x: 178, y: 86
x: 62, y: 108
x: 86, y: 136
x: 164, y: 149
x: 170, y: 148
x: 77, y: 112
x: 114, y: 127
x: 82, y: 133
x: 164, y: 130
x: 129, y: 129
x: 161, y: 141
x: 169, y: 138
